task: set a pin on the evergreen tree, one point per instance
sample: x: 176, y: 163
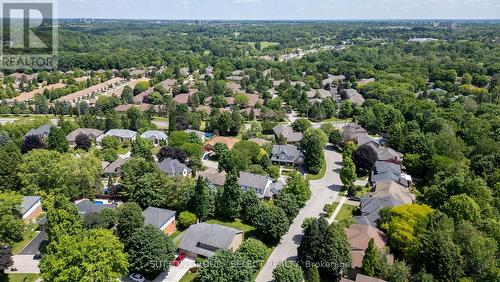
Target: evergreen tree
x: 230, y: 202
x: 313, y: 274
x: 57, y: 140
x: 203, y: 200
x: 370, y: 259
x: 5, y: 259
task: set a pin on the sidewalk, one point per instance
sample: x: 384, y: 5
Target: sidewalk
x: 337, y: 210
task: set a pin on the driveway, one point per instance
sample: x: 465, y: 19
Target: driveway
x: 24, y: 264
x: 324, y: 191
x: 175, y: 273
x: 34, y: 246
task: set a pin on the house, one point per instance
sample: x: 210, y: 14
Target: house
x: 173, y: 167
x: 287, y: 155
x: 370, y: 209
x: 42, y: 132
x: 115, y: 168
x: 31, y: 208
x: 229, y: 141
x: 205, y: 239
x: 287, y: 132
x: 95, y: 89
x: 87, y: 206
x: 392, y: 189
x: 352, y: 131
x: 371, y: 206
x: 389, y: 155
x: 155, y: 136
x: 353, y: 95
x: 143, y: 107
x: 359, y: 235
x: 182, y: 98
x: 263, y: 185
x: 386, y: 167
x: 388, y: 172
x: 162, y: 218
x: 318, y: 93
x: 91, y: 133
x: 215, y: 178
x: 121, y: 134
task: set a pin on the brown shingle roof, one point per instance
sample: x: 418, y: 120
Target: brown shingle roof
x: 88, y: 91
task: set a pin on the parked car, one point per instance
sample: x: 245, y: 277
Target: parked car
x: 137, y: 277
x: 37, y: 256
x: 179, y: 259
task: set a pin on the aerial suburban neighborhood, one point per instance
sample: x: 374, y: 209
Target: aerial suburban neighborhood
x: 227, y: 150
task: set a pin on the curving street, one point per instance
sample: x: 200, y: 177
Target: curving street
x: 324, y: 191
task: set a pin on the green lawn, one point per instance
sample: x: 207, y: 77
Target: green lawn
x: 188, y: 277
x: 248, y: 229
x: 28, y: 235
x: 123, y: 150
x: 345, y: 215
x: 332, y: 119
x: 20, y: 277
x: 321, y: 173
x: 175, y: 234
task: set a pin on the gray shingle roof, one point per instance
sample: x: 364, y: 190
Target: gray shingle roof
x: 285, y: 153
x: 172, y: 167
x: 157, y: 216
x: 42, y: 130
x: 214, y: 235
x: 154, y: 134
x: 115, y: 166
x: 288, y: 133
x: 92, y: 133
x: 87, y: 206
x: 121, y: 133
x: 382, y: 167
x: 370, y: 208
x: 255, y: 181
x: 28, y: 203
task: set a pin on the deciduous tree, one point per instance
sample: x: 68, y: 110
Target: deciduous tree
x: 94, y: 255
x: 149, y: 251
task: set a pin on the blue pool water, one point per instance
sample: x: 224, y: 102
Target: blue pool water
x: 99, y: 202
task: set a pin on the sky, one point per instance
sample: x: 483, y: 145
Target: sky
x: 280, y: 9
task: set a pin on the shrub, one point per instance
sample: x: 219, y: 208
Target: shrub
x: 186, y: 219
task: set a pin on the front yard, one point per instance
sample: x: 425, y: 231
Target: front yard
x: 28, y: 234
x: 321, y: 173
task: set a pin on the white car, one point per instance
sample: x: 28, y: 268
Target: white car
x: 136, y: 277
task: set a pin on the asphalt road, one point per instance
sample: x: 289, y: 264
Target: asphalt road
x: 33, y: 247
x: 324, y: 191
